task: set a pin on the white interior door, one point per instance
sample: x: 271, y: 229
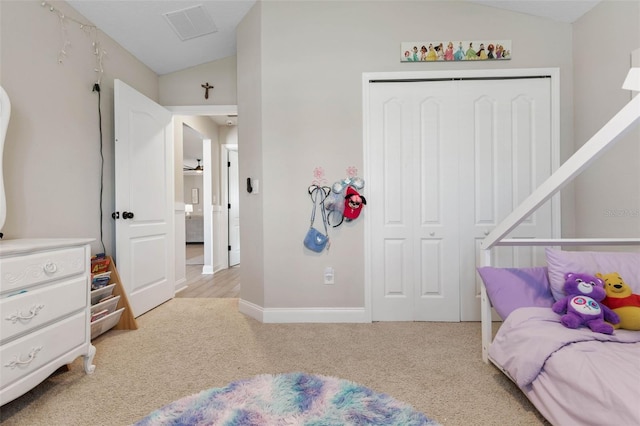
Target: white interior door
x: 144, y: 198
x: 505, y: 155
x: 452, y: 159
x: 234, y: 208
x: 411, y: 205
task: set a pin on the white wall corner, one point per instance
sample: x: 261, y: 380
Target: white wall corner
x: 635, y: 58
x: 180, y: 284
x: 251, y: 309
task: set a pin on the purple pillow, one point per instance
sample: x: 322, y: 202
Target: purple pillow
x: 627, y: 264
x: 513, y: 288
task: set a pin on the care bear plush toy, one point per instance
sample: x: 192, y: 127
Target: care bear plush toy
x: 580, y: 305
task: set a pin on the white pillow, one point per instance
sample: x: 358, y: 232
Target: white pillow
x: 560, y: 262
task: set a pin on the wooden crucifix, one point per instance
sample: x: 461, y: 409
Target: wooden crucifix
x: 206, y: 88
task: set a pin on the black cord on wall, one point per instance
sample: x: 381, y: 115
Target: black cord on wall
x: 96, y: 88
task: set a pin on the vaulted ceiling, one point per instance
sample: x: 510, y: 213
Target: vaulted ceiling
x: 172, y: 35
x: 147, y: 29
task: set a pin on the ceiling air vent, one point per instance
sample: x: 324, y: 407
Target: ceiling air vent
x: 191, y: 22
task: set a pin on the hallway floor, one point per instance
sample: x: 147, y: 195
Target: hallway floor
x: 222, y: 284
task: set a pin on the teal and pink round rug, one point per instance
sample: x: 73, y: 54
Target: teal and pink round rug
x: 288, y: 399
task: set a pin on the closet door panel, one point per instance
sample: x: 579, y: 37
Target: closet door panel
x: 510, y: 157
x: 531, y: 152
x: 389, y: 190
x: 484, y: 153
x: 430, y: 162
x: 396, y: 256
x: 435, y: 227
x: 431, y: 256
x: 413, y: 153
x: 396, y: 148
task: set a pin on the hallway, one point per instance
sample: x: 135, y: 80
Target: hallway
x: 222, y: 284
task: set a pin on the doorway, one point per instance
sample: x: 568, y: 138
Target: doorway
x: 225, y: 116
x: 454, y: 154
x: 193, y: 179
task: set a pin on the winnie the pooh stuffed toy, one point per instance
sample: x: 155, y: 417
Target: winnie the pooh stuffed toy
x: 621, y: 300
x: 580, y: 305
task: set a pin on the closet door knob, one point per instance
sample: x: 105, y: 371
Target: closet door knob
x: 127, y: 215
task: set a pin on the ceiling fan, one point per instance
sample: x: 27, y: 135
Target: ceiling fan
x: 197, y: 168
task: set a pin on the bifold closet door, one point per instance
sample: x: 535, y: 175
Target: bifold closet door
x: 505, y: 153
x: 415, y: 232
x: 449, y: 160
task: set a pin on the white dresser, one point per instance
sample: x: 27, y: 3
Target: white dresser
x: 44, y: 310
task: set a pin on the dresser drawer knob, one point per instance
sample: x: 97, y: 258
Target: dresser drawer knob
x: 20, y: 316
x: 50, y: 267
x: 16, y: 361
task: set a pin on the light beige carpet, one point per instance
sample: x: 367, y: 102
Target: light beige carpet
x: 188, y: 345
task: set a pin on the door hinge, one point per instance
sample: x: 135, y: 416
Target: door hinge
x: 229, y: 248
x: 228, y: 163
x: 229, y: 206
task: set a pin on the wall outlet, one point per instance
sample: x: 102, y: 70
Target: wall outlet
x: 328, y: 275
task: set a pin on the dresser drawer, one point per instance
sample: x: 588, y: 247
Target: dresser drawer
x: 25, y: 311
x: 25, y: 355
x: 22, y: 271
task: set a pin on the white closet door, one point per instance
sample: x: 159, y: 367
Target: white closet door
x: 415, y: 215
x: 505, y: 147
x: 449, y: 160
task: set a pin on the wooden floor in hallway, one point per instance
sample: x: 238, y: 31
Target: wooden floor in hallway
x: 222, y: 284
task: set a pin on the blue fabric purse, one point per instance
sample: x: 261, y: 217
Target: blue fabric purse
x: 315, y: 240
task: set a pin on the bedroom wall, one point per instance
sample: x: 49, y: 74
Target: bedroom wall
x: 250, y: 155
x: 52, y: 157
x: 183, y: 87
x: 312, y: 58
x: 608, y: 193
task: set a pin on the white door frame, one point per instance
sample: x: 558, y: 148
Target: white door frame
x: 367, y: 78
x: 206, y: 110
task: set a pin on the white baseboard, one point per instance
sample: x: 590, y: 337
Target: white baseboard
x: 303, y: 315
x: 250, y: 309
x: 180, y: 285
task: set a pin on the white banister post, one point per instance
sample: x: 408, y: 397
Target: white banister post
x: 604, y: 139
x: 485, y: 309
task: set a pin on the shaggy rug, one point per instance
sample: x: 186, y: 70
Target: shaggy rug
x: 288, y: 399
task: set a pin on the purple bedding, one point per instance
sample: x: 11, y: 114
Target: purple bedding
x: 571, y: 376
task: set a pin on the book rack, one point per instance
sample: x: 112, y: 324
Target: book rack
x: 127, y: 321
x: 118, y: 316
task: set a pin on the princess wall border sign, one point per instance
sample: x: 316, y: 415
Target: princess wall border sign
x: 443, y: 51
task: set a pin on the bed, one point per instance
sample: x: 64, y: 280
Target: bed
x: 572, y: 376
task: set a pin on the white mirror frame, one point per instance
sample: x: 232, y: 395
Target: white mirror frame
x: 5, y: 114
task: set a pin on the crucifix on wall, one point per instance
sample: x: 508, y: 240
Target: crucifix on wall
x: 206, y: 88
